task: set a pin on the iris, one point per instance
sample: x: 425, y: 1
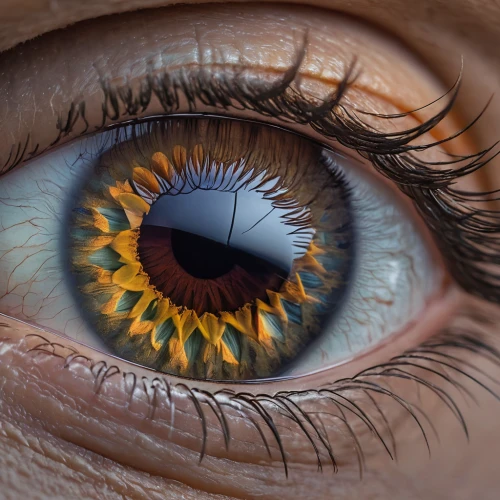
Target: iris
x: 212, y: 248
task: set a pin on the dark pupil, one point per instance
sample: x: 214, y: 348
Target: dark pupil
x: 202, y: 274
x: 201, y: 257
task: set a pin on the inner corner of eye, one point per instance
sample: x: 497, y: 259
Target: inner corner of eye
x: 210, y: 248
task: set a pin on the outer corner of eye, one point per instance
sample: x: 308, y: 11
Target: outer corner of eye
x: 212, y: 248
x: 399, y: 292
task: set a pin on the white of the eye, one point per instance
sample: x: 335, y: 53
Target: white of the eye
x: 394, y: 275
x: 35, y: 284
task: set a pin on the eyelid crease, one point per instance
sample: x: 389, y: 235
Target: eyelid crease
x: 443, y: 365
x: 278, y: 99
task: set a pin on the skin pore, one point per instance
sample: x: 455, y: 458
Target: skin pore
x: 61, y: 438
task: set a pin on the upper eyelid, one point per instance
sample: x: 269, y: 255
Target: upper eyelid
x: 395, y: 160
x: 130, y: 100
x: 127, y: 100
x: 124, y: 102
x: 427, y: 186
x: 75, y: 115
x: 166, y: 51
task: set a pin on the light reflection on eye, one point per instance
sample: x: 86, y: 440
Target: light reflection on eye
x: 211, y: 248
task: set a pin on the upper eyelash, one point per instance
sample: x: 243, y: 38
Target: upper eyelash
x: 355, y: 398
x: 468, y: 236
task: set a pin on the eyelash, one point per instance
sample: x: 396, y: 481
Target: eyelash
x: 467, y: 236
x: 354, y: 398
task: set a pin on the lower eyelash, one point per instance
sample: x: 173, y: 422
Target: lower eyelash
x: 359, y: 403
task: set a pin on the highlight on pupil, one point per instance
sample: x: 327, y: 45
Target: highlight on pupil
x: 211, y: 248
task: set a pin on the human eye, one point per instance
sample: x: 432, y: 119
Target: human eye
x: 224, y: 213
x: 213, y: 248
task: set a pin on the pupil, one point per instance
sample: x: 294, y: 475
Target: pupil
x: 200, y: 274
x: 201, y: 257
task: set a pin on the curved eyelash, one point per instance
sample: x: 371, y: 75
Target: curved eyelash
x: 357, y: 405
x: 468, y: 235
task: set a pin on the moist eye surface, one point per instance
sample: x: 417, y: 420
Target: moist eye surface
x: 212, y: 248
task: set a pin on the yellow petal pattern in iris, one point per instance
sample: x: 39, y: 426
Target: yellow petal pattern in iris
x: 147, y: 297
x: 186, y: 323
x: 139, y: 327
x: 112, y: 304
x: 147, y: 179
x: 227, y: 355
x: 179, y: 157
x: 125, y: 244
x: 162, y: 167
x: 133, y: 203
x: 126, y: 273
x: 137, y: 283
x: 119, y: 188
x: 212, y: 327
x: 251, y: 320
x: 100, y: 222
x: 198, y: 158
x: 242, y: 320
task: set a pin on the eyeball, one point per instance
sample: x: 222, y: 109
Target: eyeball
x: 211, y: 248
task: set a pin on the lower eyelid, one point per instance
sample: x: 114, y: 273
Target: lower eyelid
x: 129, y: 417
x: 94, y: 405
x: 138, y: 432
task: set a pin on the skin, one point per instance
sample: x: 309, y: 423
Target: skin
x: 58, y: 438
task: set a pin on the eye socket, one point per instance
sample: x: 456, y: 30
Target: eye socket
x: 212, y: 248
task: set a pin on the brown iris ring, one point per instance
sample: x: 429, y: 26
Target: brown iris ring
x: 121, y: 292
